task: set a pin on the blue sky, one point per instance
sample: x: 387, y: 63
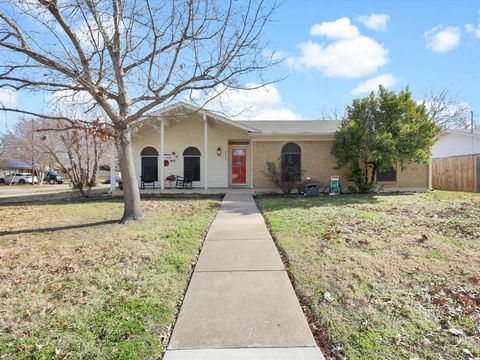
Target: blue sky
x: 451, y: 61
x: 337, y: 50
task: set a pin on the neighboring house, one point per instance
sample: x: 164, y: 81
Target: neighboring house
x: 224, y: 153
x: 456, y: 142
x: 456, y: 161
x: 12, y: 165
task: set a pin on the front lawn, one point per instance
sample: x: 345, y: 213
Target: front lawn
x: 386, y: 277
x: 76, y: 284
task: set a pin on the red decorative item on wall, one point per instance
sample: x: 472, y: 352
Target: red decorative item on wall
x: 166, y: 162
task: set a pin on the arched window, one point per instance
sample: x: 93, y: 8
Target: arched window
x: 149, y: 151
x: 149, y: 164
x: 191, y: 162
x: 292, y: 158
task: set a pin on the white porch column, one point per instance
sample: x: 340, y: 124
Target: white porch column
x: 162, y: 152
x: 113, y: 173
x: 205, y: 151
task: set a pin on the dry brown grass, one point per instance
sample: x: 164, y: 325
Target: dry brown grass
x: 387, y: 277
x: 75, y: 283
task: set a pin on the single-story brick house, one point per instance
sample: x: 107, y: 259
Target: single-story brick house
x: 224, y: 153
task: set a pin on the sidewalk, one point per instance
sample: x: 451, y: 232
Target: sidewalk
x: 240, y: 303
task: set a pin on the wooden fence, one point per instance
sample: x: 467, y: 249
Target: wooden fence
x: 457, y: 173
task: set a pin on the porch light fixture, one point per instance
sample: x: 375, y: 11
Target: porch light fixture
x: 219, y: 151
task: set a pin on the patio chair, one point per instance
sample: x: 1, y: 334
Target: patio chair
x: 186, y: 181
x: 148, y: 178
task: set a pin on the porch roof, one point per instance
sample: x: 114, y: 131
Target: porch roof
x: 260, y: 127
x: 195, y: 109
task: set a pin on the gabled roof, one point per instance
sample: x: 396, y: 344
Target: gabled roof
x: 193, y: 108
x: 292, y: 127
x: 262, y: 127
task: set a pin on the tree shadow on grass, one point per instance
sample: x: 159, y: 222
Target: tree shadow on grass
x: 58, y: 228
x: 71, y: 198
x: 305, y: 202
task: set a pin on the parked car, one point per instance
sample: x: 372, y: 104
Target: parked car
x: 20, y: 178
x: 53, y: 178
x: 118, y: 179
x: 2, y: 181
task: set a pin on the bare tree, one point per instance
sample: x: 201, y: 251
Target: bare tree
x: 122, y: 58
x: 24, y: 143
x: 446, y: 109
x: 2, y: 146
x: 77, y: 152
x: 332, y: 113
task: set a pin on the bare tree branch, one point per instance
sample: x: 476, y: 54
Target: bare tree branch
x: 119, y: 59
x: 446, y: 109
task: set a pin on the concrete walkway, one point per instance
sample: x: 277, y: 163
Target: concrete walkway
x: 240, y: 303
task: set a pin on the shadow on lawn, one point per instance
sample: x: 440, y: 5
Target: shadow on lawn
x: 72, y: 198
x: 58, y: 228
x: 305, y: 202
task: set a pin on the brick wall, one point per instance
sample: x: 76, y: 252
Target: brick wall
x: 413, y: 177
x: 319, y: 164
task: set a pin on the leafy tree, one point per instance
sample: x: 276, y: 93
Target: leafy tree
x: 381, y: 131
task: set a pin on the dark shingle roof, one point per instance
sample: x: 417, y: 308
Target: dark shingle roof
x: 294, y: 126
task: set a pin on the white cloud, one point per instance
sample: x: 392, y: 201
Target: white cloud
x: 8, y: 98
x: 349, y: 55
x: 377, y: 22
x: 387, y: 80
x: 336, y: 30
x: 440, y: 39
x: 263, y: 103
x: 474, y: 31
x: 277, y: 114
x: 351, y: 58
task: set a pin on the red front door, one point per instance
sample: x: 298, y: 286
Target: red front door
x: 239, y: 166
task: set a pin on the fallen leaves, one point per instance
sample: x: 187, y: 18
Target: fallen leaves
x: 408, y: 264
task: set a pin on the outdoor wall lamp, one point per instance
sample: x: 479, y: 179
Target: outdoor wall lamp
x: 219, y: 151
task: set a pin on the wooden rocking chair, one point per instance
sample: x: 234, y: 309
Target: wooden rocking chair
x: 186, y: 181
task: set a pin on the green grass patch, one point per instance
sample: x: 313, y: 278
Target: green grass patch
x: 76, y: 284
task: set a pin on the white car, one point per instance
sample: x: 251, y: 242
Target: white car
x: 20, y: 178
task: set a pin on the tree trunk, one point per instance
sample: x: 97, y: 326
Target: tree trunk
x: 365, y: 164
x: 374, y: 170
x: 131, y: 194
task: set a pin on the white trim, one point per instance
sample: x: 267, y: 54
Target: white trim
x: 162, y: 155
x: 205, y: 152
x: 113, y: 177
x: 292, y: 137
x: 295, y: 134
